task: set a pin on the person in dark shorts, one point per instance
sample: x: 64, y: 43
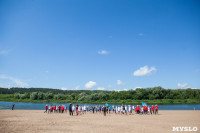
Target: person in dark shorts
x: 93, y: 108
x: 104, y: 110
x: 70, y: 109
x: 46, y: 108
x: 76, y: 109
x: 156, y: 109
x: 13, y: 106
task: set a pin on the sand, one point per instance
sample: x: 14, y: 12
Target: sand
x: 36, y: 121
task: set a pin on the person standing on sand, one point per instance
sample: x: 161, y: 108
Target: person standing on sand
x: 104, y: 110
x: 133, y: 108
x: 66, y: 109
x: 46, y: 108
x: 13, y: 106
x: 93, y: 108
x: 62, y: 108
x: 54, y: 108
x: 96, y: 109
x: 156, y: 109
x: 126, y: 109
x: 73, y: 108
x: 152, y: 109
x: 51, y: 108
x: 70, y: 109
x: 76, y: 109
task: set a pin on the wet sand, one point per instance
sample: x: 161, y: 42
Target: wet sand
x: 36, y: 121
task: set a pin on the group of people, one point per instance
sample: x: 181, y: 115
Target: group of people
x: 55, y: 109
x: 117, y: 109
x: 147, y: 109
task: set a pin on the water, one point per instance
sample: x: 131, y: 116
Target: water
x: 41, y: 106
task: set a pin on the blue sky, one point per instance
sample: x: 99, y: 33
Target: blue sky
x: 100, y: 44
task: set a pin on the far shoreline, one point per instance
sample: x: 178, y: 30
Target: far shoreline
x: 103, y: 102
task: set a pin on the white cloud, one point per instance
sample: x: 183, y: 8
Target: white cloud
x: 143, y: 71
x: 4, y: 52
x: 63, y: 88
x: 90, y: 84
x: 182, y: 86
x: 17, y: 82
x: 103, y: 52
x: 119, y: 82
x: 100, y: 88
x: 125, y: 89
x: 138, y: 87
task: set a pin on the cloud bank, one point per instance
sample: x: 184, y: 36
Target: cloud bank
x: 143, y: 71
x: 90, y: 84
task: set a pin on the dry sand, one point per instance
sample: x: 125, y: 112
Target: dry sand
x: 36, y: 121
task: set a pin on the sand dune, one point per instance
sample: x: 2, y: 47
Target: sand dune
x: 32, y: 121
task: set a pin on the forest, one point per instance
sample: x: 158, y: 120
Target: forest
x: 154, y: 95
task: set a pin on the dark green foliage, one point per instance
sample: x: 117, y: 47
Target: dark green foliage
x: 155, y: 93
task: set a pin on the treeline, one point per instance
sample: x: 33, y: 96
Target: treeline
x: 96, y: 95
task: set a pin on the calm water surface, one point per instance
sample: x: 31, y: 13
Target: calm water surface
x: 41, y: 106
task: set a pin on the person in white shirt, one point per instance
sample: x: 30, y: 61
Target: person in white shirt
x: 73, y: 108
x: 141, y: 109
x: 129, y: 109
x: 116, y: 110
x: 119, y: 109
x: 84, y: 108
x: 126, y: 109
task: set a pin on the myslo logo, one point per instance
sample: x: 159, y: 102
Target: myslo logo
x: 187, y: 129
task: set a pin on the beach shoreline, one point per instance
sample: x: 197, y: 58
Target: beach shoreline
x: 23, y: 121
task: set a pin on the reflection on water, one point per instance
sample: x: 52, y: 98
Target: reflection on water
x: 41, y: 106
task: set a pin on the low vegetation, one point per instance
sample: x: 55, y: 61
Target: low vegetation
x: 155, y: 95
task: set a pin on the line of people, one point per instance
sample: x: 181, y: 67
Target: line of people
x: 117, y: 109
x: 55, y: 109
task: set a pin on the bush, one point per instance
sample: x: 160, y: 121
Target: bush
x: 17, y: 96
x: 41, y: 96
x: 48, y: 96
x: 34, y: 96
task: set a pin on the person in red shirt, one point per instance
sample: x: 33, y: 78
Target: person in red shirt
x: 46, y: 108
x: 62, y: 108
x: 153, y: 109
x: 51, y: 108
x: 145, y: 109
x: 138, y: 109
x: 135, y: 109
x: 76, y: 109
x: 66, y: 109
x: 156, y: 109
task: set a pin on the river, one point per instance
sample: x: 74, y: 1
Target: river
x: 41, y: 106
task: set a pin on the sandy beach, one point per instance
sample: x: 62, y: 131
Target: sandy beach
x: 31, y: 121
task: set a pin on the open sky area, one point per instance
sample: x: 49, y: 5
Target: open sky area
x: 100, y: 44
